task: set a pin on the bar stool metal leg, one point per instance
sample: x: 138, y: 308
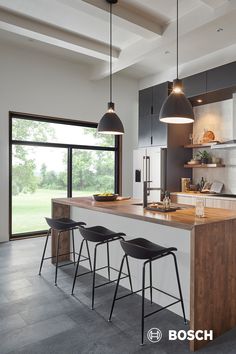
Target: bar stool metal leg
x: 129, y: 275
x: 73, y: 245
x: 94, y: 275
x: 89, y: 258
x: 108, y: 262
x: 77, y: 266
x: 58, y: 246
x: 44, y: 251
x: 143, y: 298
x: 117, y: 286
x: 179, y: 286
x: 150, y: 270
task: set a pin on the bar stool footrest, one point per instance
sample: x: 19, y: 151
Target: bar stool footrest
x: 162, y: 308
x: 110, y: 281
x: 67, y: 254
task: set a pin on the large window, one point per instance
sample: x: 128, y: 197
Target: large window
x: 52, y: 158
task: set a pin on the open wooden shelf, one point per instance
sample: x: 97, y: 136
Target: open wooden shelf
x: 199, y: 146
x: 210, y: 165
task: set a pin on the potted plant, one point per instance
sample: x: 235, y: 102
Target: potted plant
x: 204, y: 156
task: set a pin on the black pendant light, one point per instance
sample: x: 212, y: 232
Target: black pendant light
x: 110, y: 122
x: 177, y: 109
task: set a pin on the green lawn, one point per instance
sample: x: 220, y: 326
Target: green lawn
x: 29, y: 210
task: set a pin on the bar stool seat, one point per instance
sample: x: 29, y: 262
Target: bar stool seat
x: 148, y: 251
x: 99, y: 233
x: 101, y: 236
x: 141, y: 248
x: 62, y: 225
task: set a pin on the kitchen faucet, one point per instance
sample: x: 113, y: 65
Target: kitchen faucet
x: 146, y: 189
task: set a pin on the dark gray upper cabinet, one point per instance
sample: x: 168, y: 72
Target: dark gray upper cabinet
x: 145, y: 102
x: 195, y: 85
x: 221, y: 77
x: 151, y: 130
x: 145, y: 130
x: 145, y: 117
x: 159, y: 129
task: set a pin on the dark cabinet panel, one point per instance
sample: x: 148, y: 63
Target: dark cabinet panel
x: 145, y: 102
x: 221, y: 77
x: 145, y: 130
x: 160, y: 93
x: 195, y: 85
x: 159, y: 129
x: 151, y: 130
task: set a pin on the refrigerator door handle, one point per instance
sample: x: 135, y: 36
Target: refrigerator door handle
x: 148, y: 169
x: 163, y: 168
x: 144, y: 174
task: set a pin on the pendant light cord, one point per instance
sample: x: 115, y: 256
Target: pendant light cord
x: 177, y: 41
x: 110, y: 52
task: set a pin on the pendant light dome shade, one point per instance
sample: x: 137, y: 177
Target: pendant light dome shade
x: 110, y: 122
x: 177, y: 109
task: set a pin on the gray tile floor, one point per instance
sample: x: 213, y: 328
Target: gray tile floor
x: 36, y: 317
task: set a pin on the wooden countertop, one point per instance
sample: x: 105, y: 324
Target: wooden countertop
x: 183, y: 219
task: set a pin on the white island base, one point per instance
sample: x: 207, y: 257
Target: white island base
x: 164, y: 276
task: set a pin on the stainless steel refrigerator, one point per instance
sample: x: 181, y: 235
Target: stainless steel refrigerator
x: 149, y: 164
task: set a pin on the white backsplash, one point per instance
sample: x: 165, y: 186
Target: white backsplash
x: 217, y: 117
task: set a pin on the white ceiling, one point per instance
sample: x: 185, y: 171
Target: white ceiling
x: 144, y: 32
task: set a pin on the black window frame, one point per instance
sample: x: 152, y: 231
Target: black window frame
x: 70, y: 147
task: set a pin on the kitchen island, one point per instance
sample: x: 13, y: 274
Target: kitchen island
x: 206, y: 255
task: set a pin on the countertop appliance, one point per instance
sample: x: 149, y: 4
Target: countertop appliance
x: 149, y: 164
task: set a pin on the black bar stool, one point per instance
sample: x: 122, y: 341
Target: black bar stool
x: 100, y: 235
x: 63, y: 225
x: 141, y: 248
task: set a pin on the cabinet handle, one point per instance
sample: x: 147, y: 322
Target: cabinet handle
x: 151, y: 140
x: 151, y: 109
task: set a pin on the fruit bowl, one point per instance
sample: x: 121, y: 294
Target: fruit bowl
x: 105, y: 198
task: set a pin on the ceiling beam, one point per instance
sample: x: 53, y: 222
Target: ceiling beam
x: 141, y: 24
x: 142, y: 49
x: 39, y: 30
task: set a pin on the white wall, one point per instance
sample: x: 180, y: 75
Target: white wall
x: 34, y: 82
x: 218, y: 117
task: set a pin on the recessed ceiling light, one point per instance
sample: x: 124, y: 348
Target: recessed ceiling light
x: 199, y: 101
x: 220, y: 29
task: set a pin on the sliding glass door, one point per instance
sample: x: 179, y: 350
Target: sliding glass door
x: 53, y: 159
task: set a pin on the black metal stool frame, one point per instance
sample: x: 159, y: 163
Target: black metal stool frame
x: 64, y: 254
x: 108, y: 266
x: 143, y: 315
